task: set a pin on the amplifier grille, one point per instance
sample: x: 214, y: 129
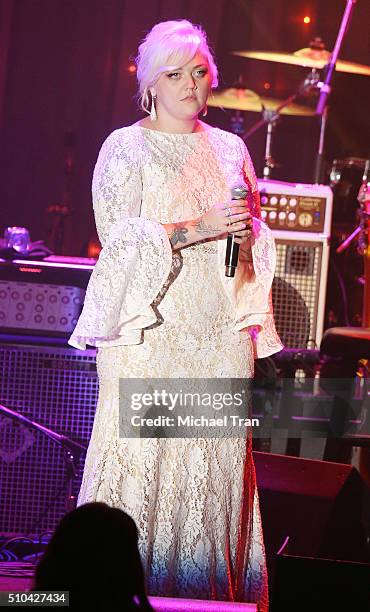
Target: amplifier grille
x: 57, y: 388
x: 295, y: 291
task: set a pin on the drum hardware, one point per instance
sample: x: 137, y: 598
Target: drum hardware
x: 314, y: 56
x: 364, y: 241
x: 242, y: 99
x: 317, y: 58
x: 325, y: 89
x: 345, y: 244
x: 363, y: 199
x: 271, y: 117
x: 346, y: 283
x: 237, y: 123
x: 364, y: 247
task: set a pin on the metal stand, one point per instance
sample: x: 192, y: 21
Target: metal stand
x: 320, y: 153
x: 72, y: 450
x: 325, y: 89
x: 271, y: 117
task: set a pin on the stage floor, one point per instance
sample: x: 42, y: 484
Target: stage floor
x: 160, y: 604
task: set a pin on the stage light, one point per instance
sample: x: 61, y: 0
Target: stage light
x: 132, y: 68
x: 306, y: 19
x: 266, y: 85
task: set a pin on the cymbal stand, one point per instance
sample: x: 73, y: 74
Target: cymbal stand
x: 325, y: 89
x: 271, y: 117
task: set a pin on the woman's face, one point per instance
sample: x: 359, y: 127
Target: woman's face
x: 183, y: 92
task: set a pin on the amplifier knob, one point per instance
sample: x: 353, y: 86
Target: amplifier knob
x: 282, y: 215
x: 263, y: 214
x: 305, y: 219
x: 272, y: 215
x: 283, y: 201
x: 273, y: 200
x: 293, y: 202
x: 291, y: 216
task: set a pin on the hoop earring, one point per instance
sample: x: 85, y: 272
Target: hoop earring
x: 153, y: 112
x: 205, y: 111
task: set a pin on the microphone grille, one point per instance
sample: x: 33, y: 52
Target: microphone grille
x: 239, y: 192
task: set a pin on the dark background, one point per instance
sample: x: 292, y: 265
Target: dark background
x: 65, y: 84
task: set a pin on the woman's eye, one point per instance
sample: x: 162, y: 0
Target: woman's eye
x: 173, y: 75
x: 201, y: 73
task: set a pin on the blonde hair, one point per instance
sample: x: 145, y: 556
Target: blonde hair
x: 169, y: 45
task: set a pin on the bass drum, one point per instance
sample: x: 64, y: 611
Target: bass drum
x: 345, y: 278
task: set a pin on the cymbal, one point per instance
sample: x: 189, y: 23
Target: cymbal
x: 248, y: 100
x: 308, y: 58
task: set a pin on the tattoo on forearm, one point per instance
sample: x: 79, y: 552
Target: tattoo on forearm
x: 178, y: 235
x: 202, y: 227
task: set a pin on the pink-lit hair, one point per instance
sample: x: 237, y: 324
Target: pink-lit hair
x: 169, y: 45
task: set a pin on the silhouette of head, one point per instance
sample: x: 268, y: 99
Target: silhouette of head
x: 94, y: 555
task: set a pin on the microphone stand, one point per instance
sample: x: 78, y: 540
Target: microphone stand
x: 72, y: 450
x: 325, y: 89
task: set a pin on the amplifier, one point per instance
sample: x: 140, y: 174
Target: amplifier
x: 43, y: 297
x: 58, y: 388
x: 296, y: 206
x: 300, y: 218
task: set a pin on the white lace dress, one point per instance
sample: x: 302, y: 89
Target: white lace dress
x: 155, y: 313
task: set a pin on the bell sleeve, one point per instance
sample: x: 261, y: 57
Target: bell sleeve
x: 136, y: 254
x: 250, y: 290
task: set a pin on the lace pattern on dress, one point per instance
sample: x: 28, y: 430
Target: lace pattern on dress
x: 131, y: 270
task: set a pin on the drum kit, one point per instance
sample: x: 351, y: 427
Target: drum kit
x: 347, y: 176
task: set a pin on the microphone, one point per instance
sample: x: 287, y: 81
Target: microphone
x: 238, y: 192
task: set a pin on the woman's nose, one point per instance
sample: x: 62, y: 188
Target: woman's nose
x: 191, y: 83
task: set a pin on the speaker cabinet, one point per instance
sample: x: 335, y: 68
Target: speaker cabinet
x: 58, y: 388
x: 299, y: 290
x: 299, y: 216
x: 321, y: 507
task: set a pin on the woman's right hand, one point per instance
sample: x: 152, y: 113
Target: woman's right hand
x: 218, y: 222
x: 230, y: 218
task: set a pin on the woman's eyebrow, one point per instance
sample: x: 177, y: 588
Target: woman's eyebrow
x: 193, y: 68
